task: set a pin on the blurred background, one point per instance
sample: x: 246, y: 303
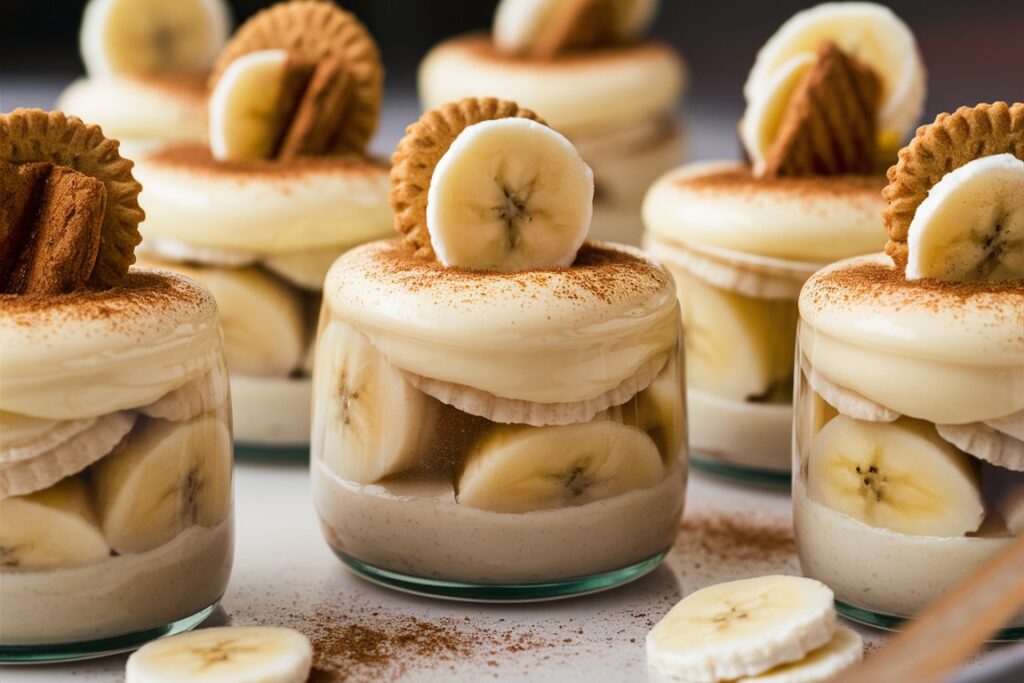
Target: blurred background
x: 974, y: 49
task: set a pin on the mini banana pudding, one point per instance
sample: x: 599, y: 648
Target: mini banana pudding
x: 115, y: 427
x: 828, y: 96
x: 586, y: 68
x: 146, y: 63
x: 909, y: 433
x: 498, y: 412
x: 281, y: 190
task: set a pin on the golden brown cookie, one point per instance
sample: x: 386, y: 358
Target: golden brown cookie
x: 315, y: 31
x: 418, y: 153
x: 951, y: 141
x: 33, y: 135
x: 830, y: 125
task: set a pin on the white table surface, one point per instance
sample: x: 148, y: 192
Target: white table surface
x: 285, y: 573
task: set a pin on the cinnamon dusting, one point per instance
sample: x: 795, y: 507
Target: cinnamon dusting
x: 741, y: 180
x: 197, y: 158
x: 479, y: 47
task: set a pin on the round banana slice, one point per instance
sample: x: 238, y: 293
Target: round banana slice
x: 742, y: 628
x: 846, y: 401
x: 522, y: 469
x: 844, y: 650
x: 164, y: 478
x: 245, y: 106
x: 197, y: 396
x: 868, y: 31
x: 227, y: 654
x: 152, y: 36
x: 67, y: 458
x: 898, y: 475
x: 970, y: 227
x: 521, y: 25
x: 374, y: 422
x: 509, y: 195
x: 763, y: 116
x: 987, y: 443
x: 50, y: 529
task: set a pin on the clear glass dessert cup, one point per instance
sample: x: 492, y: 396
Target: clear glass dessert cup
x: 415, y: 489
x: 908, y: 443
x: 116, y: 521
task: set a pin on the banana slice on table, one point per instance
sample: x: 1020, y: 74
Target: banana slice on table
x: 510, y: 194
x: 164, y: 478
x: 245, y: 107
x: 50, y: 529
x: 970, y: 227
x: 200, y: 395
x: 146, y: 37
x: 227, y: 654
x: 519, y: 25
x: 759, y: 126
x: 742, y: 628
x: 736, y: 347
x: 986, y: 443
x: 68, y: 458
x: 895, y: 475
x: 522, y: 469
x: 868, y: 31
x: 844, y: 650
x: 846, y: 401
x: 374, y: 422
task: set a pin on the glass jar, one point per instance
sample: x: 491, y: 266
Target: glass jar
x: 740, y: 248
x: 115, y: 467
x: 498, y: 436
x: 908, y: 470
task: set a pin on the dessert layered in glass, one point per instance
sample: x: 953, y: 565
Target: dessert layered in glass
x: 146, y: 65
x: 510, y: 431
x: 260, y: 213
x: 742, y: 238
x: 595, y: 78
x: 115, y: 425
x: 908, y: 470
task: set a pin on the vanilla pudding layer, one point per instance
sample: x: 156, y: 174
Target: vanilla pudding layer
x: 262, y: 207
x: 754, y: 435
x: 577, y: 94
x: 721, y: 204
x: 881, y: 570
x: 941, y: 352
x: 87, y: 354
x: 140, y: 109
x: 122, y: 595
x: 418, y: 528
x: 546, y: 336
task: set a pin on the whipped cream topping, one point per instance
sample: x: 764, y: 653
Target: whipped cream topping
x: 949, y: 353
x: 263, y: 206
x: 547, y: 336
x: 721, y: 204
x: 90, y: 353
x: 574, y: 94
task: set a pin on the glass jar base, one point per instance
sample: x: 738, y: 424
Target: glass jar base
x: 91, y: 649
x: 890, y: 623
x: 502, y: 592
x: 271, y: 453
x: 747, y: 475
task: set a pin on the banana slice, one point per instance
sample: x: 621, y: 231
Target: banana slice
x: 514, y: 411
x: 763, y: 116
x: 895, y: 475
x: 49, y: 529
x: 737, y: 347
x: 846, y: 401
x: 374, y: 422
x: 228, y: 654
x: 245, y: 105
x: 986, y: 443
x: 67, y: 458
x: 23, y: 437
x: 742, y: 628
x: 520, y: 24
x: 200, y: 395
x: 970, y: 227
x: 510, y: 194
x: 869, y: 32
x: 165, y: 477
x: 522, y: 469
x: 661, y: 410
x: 844, y: 650
x: 144, y: 37
x: 811, y: 414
